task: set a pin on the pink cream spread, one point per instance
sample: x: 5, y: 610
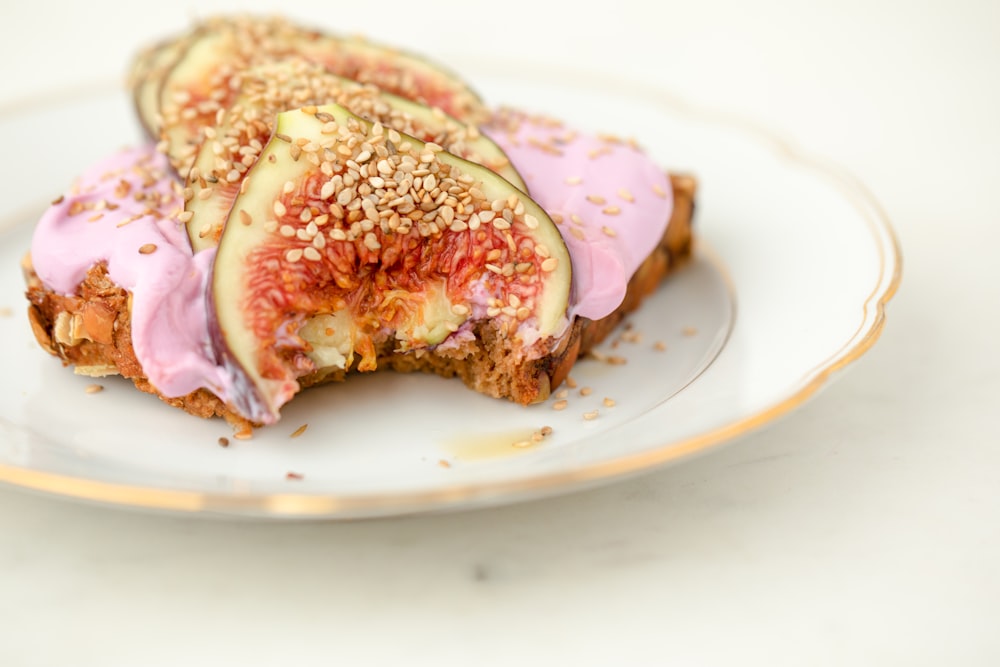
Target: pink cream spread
x: 609, y: 200
x: 123, y: 211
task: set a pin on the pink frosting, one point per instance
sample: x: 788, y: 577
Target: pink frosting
x: 121, y: 204
x: 609, y: 200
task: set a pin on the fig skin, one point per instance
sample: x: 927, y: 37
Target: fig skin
x: 306, y: 238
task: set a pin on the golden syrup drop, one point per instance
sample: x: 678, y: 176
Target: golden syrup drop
x: 482, y: 446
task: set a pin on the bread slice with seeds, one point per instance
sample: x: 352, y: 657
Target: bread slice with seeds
x: 91, y: 330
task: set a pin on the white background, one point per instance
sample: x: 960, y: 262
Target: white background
x: 864, y: 529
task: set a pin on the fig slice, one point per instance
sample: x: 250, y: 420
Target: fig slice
x: 206, y: 76
x: 231, y: 147
x: 145, y: 78
x: 351, y: 241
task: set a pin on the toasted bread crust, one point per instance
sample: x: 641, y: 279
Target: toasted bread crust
x: 91, y: 331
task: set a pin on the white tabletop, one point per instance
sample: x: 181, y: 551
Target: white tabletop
x: 860, y: 530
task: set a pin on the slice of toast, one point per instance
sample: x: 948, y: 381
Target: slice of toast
x: 91, y: 331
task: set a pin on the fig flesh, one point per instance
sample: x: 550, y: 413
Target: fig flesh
x: 231, y: 147
x: 350, y: 237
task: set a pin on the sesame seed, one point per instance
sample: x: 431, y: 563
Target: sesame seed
x: 279, y: 209
x: 371, y: 241
x: 590, y: 416
x: 626, y: 195
x: 293, y: 475
x: 287, y: 231
x: 609, y: 402
x: 689, y: 331
x: 570, y: 382
x: 521, y: 444
x: 294, y: 255
x: 93, y: 388
x: 550, y: 264
x: 310, y: 253
x: 560, y: 405
x: 494, y: 268
x: 299, y: 431
x: 586, y: 391
x: 530, y: 221
x: 575, y: 231
x: 562, y: 393
x: 546, y: 431
x: 660, y: 346
x: 147, y: 249
x: 223, y: 442
x: 611, y: 210
x: 608, y: 231
x: 574, y: 180
x: 596, y: 199
x: 659, y: 191
x: 245, y: 218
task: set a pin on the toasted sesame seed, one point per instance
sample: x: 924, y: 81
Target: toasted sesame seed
x: 609, y: 402
x: 591, y: 415
x: 93, y: 388
x: 295, y: 476
x: 147, y: 248
x: 608, y: 231
x: 577, y: 233
x: 659, y: 346
x: 689, y: 331
x: 596, y: 199
x: 611, y: 210
x: 223, y: 442
x: 299, y: 431
x: 586, y: 391
x: 560, y: 405
x: 570, y: 382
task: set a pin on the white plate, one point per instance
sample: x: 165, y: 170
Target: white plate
x: 794, y: 268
